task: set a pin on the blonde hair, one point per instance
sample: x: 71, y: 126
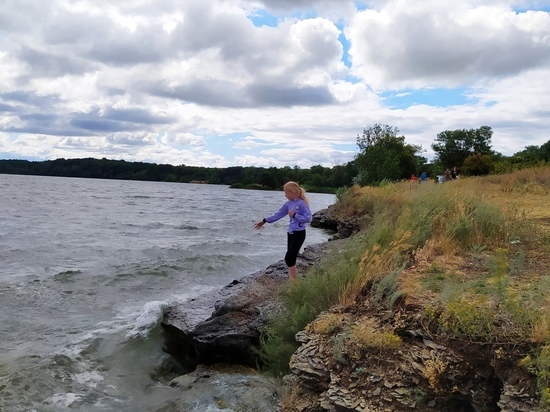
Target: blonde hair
x: 296, y: 188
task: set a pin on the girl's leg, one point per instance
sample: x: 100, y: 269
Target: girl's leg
x: 294, y: 243
x: 292, y: 272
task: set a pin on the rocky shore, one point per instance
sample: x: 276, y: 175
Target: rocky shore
x: 214, y: 331
x: 425, y: 373
x: 225, y: 327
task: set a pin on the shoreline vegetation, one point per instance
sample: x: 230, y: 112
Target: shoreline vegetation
x: 462, y: 268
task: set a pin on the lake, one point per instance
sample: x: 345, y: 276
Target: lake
x: 87, y: 266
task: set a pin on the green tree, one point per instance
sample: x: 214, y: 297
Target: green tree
x: 477, y: 165
x: 268, y: 179
x: 385, y: 156
x: 545, y: 151
x: 453, y: 147
x: 530, y: 154
x: 340, y: 176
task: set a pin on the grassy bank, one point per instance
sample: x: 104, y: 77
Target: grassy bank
x: 472, y: 255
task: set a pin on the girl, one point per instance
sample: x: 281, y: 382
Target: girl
x: 297, y: 208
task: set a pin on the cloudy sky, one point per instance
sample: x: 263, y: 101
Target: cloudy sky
x: 266, y: 83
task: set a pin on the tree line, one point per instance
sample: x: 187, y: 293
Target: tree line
x: 317, y: 178
x: 383, y: 155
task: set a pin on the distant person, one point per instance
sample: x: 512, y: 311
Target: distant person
x: 423, y: 177
x: 447, y: 175
x: 454, y: 173
x: 297, y: 208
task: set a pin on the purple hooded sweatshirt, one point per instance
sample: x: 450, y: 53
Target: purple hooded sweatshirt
x: 300, y: 219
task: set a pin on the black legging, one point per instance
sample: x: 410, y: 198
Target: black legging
x: 294, y: 243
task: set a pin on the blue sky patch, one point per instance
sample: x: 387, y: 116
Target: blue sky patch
x: 537, y: 6
x: 347, y: 147
x: 442, y: 97
x: 263, y: 18
x: 361, y: 5
x: 346, y: 45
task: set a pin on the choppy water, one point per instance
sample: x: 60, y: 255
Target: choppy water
x: 86, y: 267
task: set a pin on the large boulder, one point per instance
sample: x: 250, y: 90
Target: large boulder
x: 329, y: 219
x: 325, y: 219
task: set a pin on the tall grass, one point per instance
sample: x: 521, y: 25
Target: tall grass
x: 440, y: 228
x: 455, y: 217
x: 532, y: 180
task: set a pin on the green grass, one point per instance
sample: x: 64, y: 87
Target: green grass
x: 303, y: 301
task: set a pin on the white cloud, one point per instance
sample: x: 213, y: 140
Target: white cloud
x: 183, y: 139
x: 449, y: 44
x: 247, y: 143
x: 169, y: 82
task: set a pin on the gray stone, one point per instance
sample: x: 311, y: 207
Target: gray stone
x: 328, y: 219
x: 211, y: 388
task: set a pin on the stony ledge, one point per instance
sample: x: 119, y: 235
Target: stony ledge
x: 225, y: 327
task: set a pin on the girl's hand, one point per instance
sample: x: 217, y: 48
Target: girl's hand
x: 291, y: 212
x: 259, y: 224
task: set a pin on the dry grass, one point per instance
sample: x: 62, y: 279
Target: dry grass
x: 362, y: 339
x: 474, y: 242
x: 541, y: 329
x: 509, y: 275
x: 366, y: 334
x: 534, y: 180
x: 374, y: 265
x: 433, y: 371
x: 328, y: 323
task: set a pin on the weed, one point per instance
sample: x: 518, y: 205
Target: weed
x: 541, y: 327
x: 364, y: 336
x: 375, y: 263
x: 359, y: 372
x: 540, y: 366
x: 328, y: 323
x: 275, y: 352
x: 477, y: 248
x: 433, y: 370
x: 434, y: 278
x: 303, y: 302
x: 338, y: 348
x: 386, y: 288
x: 500, y: 269
x: 420, y: 397
x: 468, y: 316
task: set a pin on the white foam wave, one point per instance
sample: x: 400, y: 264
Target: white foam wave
x: 90, y: 378
x: 209, y: 409
x: 148, y: 317
x: 63, y: 400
